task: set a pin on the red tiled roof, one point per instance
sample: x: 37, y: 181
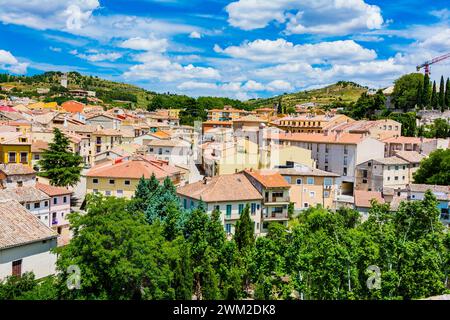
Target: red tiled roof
x: 52, y: 191
x: 73, y: 106
x: 269, y: 179
x: 363, y: 198
x: 345, y: 138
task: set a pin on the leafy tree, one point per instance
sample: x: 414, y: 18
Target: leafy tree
x: 120, y: 256
x: 404, y: 95
x: 61, y: 166
x: 438, y: 129
x: 435, y: 169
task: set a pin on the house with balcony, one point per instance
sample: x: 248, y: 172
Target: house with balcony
x: 229, y: 194
x: 59, y: 206
x: 309, y: 186
x: 34, y: 200
x: 275, y: 191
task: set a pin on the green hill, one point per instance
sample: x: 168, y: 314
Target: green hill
x: 342, y: 91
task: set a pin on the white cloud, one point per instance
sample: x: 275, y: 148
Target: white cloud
x: 333, y: 17
x: 147, y: 44
x: 76, y: 17
x: 281, y: 50
x: 10, y: 63
x: 69, y: 15
x: 55, y: 49
x: 95, y: 56
x: 158, y: 66
x: 194, y: 85
x: 195, y: 35
x: 279, y: 85
x: 252, y: 85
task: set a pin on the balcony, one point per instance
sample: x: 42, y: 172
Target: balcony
x: 275, y: 216
x: 276, y: 200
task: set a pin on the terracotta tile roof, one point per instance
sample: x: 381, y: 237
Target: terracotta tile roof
x: 134, y: 168
x: 415, y: 187
x: 18, y: 226
x: 169, y: 143
x: 52, y: 191
x: 13, y: 138
x: 107, y: 132
x: 23, y: 194
x: 15, y: 169
x: 73, y: 106
x: 250, y: 118
x: 269, y: 179
x: 363, y: 198
x: 391, y: 161
x: 39, y: 146
x: 410, y: 156
x: 228, y: 123
x: 306, y: 171
x: 224, y: 188
x: 345, y: 138
x: 403, y: 140
x: 160, y: 134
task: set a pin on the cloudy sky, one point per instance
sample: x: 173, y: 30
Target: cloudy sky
x: 241, y: 49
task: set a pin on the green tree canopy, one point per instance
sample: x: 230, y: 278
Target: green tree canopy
x: 435, y: 169
x: 59, y: 164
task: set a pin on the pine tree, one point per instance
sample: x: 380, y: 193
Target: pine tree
x: 441, y: 100
x: 61, y: 166
x: 434, y: 97
x: 426, y: 92
x: 244, y: 235
x: 447, y: 94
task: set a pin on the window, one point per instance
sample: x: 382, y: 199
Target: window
x: 228, y: 227
x: 403, y: 177
x: 36, y: 157
x: 120, y: 193
x: 19, y: 183
x: 326, y: 158
x: 95, y: 181
x: 388, y: 178
x: 345, y: 150
x: 364, y: 181
x: 217, y: 207
x: 17, y: 268
x: 312, y: 194
x: 99, y: 149
x: 299, y: 181
x: 151, y: 149
x: 344, y: 173
x: 326, y: 168
x: 396, y: 167
x: 326, y: 148
x: 12, y: 157
x: 55, y: 200
x: 65, y: 199
x: 327, y: 181
x: 241, y: 208
x: 185, y: 203
x: 310, y: 180
x: 46, y: 204
x: 112, y: 181
x: 396, y: 178
x: 253, y: 208
x: 306, y: 205
x: 345, y: 161
x: 37, y: 205
x: 288, y: 179
x: 326, y: 194
x: 95, y: 191
x: 127, y: 182
x: 108, y: 193
x: 192, y: 204
x: 23, y: 157
x: 229, y: 210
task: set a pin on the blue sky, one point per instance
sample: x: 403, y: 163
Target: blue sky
x: 241, y: 49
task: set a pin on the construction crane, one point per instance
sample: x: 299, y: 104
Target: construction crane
x: 427, y: 64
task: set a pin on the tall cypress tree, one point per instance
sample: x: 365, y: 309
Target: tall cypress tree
x: 447, y: 94
x: 434, y: 97
x: 426, y: 92
x: 244, y: 235
x: 60, y: 165
x: 419, y: 95
x: 441, y: 100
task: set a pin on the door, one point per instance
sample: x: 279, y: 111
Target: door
x: 17, y: 268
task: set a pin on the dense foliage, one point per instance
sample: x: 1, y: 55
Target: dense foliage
x: 435, y: 169
x: 125, y: 250
x: 59, y: 164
